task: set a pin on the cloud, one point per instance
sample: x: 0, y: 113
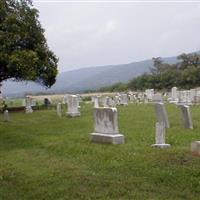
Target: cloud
x: 90, y: 34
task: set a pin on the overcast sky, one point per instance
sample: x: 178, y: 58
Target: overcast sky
x: 92, y: 34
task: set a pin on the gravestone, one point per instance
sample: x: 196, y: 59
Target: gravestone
x: 28, y: 108
x: 73, y: 106
x: 186, y: 116
x: 106, y: 126
x: 117, y: 99
x: 160, y: 136
x: 161, y: 114
x: 174, y: 94
x: 195, y: 148
x: 111, y: 102
x: 131, y: 98
x: 105, y: 102
x: 124, y: 99
x: 184, y: 97
x: 6, y: 117
x: 96, y: 102
x: 65, y: 99
x: 59, y: 109
x: 157, y: 98
x: 149, y: 93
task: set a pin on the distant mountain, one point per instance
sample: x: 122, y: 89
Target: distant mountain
x: 86, y: 78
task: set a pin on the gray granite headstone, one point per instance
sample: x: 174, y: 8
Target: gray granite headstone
x: 6, y: 117
x: 161, y: 114
x: 186, y: 116
x: 160, y: 136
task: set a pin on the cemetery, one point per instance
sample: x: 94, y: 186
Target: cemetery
x: 99, y: 151
x: 85, y: 114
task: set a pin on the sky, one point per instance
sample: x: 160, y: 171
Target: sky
x: 87, y: 33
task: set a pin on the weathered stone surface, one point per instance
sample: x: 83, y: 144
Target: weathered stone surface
x: 160, y: 136
x: 73, y: 106
x: 161, y: 114
x: 195, y: 148
x: 59, y: 109
x: 106, y: 120
x: 106, y: 126
x: 186, y: 116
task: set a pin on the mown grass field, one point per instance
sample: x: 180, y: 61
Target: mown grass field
x: 46, y: 157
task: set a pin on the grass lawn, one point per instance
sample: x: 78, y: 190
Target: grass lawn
x: 45, y: 157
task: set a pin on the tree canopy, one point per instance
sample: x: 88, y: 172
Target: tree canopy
x: 24, y: 53
x: 184, y: 74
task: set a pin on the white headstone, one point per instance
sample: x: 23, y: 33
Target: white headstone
x: 6, y: 116
x: 96, y: 102
x: 174, y: 94
x: 73, y: 106
x: 117, y: 99
x: 149, y: 94
x: 106, y: 126
x: 124, y: 99
x: 105, y: 102
x: 28, y: 108
x: 160, y: 136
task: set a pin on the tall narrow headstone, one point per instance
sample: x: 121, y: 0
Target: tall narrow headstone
x: 6, y: 117
x: 28, y: 108
x: 174, y: 94
x: 117, y: 99
x: 72, y: 103
x: 106, y: 102
x: 59, y: 109
x: 106, y: 126
x: 161, y: 114
x: 111, y: 102
x: 160, y: 136
x: 96, y: 102
x: 186, y: 116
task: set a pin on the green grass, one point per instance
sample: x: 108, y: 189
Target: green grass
x: 46, y: 157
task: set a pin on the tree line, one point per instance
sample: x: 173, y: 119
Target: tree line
x: 184, y: 74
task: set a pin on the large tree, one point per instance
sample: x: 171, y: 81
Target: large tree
x: 24, y: 54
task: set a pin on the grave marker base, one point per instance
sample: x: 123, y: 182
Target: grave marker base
x: 73, y: 114
x: 107, y: 138
x: 162, y: 146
